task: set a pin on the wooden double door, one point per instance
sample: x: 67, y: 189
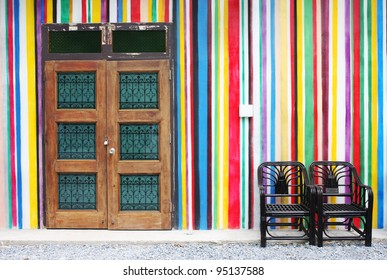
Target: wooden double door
x: 107, y: 144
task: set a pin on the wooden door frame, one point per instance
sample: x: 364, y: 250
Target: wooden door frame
x: 107, y: 55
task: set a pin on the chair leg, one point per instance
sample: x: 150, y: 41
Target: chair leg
x: 368, y: 232
x: 320, y: 232
x: 263, y: 232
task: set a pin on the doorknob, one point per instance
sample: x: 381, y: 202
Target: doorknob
x: 112, y: 151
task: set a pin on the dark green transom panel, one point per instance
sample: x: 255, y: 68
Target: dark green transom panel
x: 139, y: 41
x: 139, y: 91
x: 139, y: 141
x: 76, y: 90
x: 75, y: 41
x: 139, y: 192
x: 76, y: 141
x: 77, y: 191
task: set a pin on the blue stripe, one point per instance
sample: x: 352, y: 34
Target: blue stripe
x: 273, y: 80
x: 119, y: 10
x: 17, y: 113
x: 178, y: 123
x: 380, y: 117
x: 203, y: 109
x: 42, y: 11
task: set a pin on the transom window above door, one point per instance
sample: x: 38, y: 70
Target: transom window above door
x: 107, y: 41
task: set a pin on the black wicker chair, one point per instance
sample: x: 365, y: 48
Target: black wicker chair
x: 343, y: 202
x: 287, y: 202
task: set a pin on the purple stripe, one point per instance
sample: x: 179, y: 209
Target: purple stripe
x: 264, y: 85
x: 39, y: 21
x: 347, y: 81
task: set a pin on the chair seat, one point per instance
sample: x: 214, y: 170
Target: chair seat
x: 284, y: 209
x: 343, y: 209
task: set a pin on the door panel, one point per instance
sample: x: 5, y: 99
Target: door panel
x: 107, y: 133
x: 75, y: 114
x: 139, y: 170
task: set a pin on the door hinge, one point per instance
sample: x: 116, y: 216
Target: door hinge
x: 170, y: 74
x: 170, y: 138
x: 171, y: 207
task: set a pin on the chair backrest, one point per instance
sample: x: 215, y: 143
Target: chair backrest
x: 283, y: 179
x: 336, y: 178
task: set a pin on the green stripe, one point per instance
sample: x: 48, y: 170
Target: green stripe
x: 369, y: 30
x: 154, y: 10
x: 65, y: 11
x: 243, y: 162
x: 89, y: 11
x: 215, y: 116
x: 308, y: 93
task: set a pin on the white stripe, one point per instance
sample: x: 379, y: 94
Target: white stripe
x: 129, y: 12
x: 58, y: 11
x: 257, y: 136
x: 341, y: 80
x: 77, y: 11
x: 365, y: 103
x: 113, y: 10
x: 3, y: 123
x: 24, y: 117
x: 188, y: 116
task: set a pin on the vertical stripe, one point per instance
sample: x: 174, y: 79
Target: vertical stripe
x: 356, y: 85
x: 293, y: 73
x: 264, y: 84
x: 315, y: 82
x: 202, y: 133
x: 300, y: 99
x: 380, y: 110
x: 283, y: 79
x: 136, y: 8
x: 325, y: 50
x: 348, y: 86
x: 96, y: 11
x: 32, y: 118
x: 334, y: 58
x: 273, y: 82
x: 113, y: 17
x: 374, y: 105
x: 234, y: 128
x: 84, y: 9
x: 65, y: 11
x: 308, y: 86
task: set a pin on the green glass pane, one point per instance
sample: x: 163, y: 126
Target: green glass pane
x: 76, y: 90
x: 76, y: 141
x: 139, y: 192
x: 139, y: 91
x: 139, y: 41
x: 77, y: 191
x: 75, y: 41
x: 139, y: 141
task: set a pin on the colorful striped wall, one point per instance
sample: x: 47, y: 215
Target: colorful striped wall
x: 314, y: 71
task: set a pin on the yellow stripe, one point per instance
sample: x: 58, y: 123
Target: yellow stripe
x: 125, y: 10
x: 226, y: 119
x: 32, y: 114
x: 161, y: 10
x: 150, y: 9
x: 96, y: 11
x: 374, y: 104
x: 300, y: 87
x: 334, y: 78
x: 50, y: 12
x: 183, y: 117
x: 283, y: 78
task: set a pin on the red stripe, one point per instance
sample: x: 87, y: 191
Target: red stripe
x: 12, y: 112
x: 325, y: 76
x: 356, y: 88
x: 84, y: 10
x: 234, y: 120
x: 166, y: 12
x: 135, y: 9
x: 316, y: 147
x: 356, y: 84
x: 293, y: 132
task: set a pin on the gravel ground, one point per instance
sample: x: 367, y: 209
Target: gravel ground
x: 193, y: 251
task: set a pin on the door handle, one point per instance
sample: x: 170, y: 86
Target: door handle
x: 112, y: 151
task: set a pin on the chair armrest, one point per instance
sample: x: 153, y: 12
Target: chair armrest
x: 262, y: 200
